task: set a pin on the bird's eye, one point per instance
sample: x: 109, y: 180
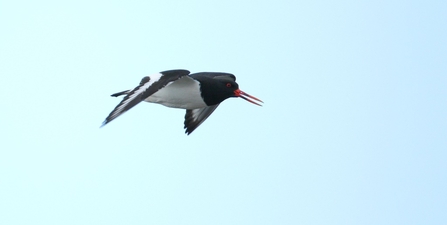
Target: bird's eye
x: 228, y: 85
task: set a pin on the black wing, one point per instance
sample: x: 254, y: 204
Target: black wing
x: 148, y: 86
x: 195, y: 117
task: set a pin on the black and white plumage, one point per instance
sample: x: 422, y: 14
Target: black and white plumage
x: 199, y: 93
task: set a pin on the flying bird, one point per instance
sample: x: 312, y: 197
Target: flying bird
x: 199, y: 93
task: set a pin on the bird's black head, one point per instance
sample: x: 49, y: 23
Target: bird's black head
x: 216, y: 87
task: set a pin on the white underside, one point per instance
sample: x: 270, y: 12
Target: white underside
x: 183, y: 93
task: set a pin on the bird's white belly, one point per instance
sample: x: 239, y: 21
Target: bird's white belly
x: 183, y: 93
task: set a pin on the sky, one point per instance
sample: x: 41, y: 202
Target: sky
x: 352, y: 131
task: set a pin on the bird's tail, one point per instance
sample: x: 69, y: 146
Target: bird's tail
x: 120, y: 93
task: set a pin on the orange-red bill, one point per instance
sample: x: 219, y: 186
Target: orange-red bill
x: 247, y: 97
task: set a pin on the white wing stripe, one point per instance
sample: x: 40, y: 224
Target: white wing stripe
x: 154, y: 78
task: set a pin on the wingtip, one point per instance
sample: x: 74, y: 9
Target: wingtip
x: 187, y: 130
x: 103, y: 123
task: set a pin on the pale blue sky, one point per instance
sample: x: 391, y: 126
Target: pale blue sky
x: 353, y: 129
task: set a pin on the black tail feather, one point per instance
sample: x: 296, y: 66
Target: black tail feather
x: 120, y: 93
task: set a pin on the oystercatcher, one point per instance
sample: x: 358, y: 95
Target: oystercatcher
x: 199, y: 93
